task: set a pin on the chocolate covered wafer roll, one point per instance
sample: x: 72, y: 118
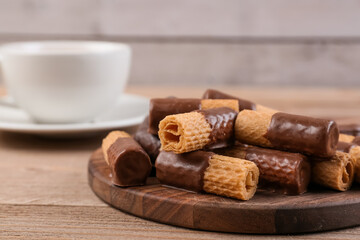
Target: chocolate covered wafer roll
x: 350, y: 129
x: 212, y: 128
x: 149, y: 142
x: 109, y: 140
x: 284, y: 172
x: 162, y: 107
x: 345, y: 138
x: 357, y: 170
x: 294, y: 133
x: 354, y: 150
x: 336, y: 173
x: 356, y: 140
x: 243, y: 104
x: 129, y: 163
x: 205, y: 171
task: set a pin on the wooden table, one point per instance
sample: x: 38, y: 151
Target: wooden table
x: 44, y: 192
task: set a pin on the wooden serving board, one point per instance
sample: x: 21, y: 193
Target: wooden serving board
x: 270, y: 213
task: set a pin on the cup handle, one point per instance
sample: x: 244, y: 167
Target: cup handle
x: 6, y: 100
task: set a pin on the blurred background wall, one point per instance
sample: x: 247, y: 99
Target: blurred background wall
x: 212, y: 42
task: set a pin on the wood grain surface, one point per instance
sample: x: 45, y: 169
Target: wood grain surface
x: 44, y: 192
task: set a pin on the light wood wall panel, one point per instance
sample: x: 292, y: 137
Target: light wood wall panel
x: 175, y: 18
x: 259, y: 64
x: 255, y: 64
x: 212, y: 42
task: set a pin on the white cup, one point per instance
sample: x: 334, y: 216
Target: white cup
x: 65, y: 81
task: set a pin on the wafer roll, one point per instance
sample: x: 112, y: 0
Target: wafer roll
x: 356, y: 140
x: 349, y: 139
x: 216, y: 103
x: 110, y: 139
x: 357, y: 169
x: 294, y: 133
x: 212, y: 128
x: 284, y: 172
x: 345, y: 138
x: 129, y: 163
x: 336, y: 173
x: 162, y: 107
x: 243, y: 104
x: 354, y: 150
x: 350, y: 129
x: 149, y: 142
x: 205, y: 171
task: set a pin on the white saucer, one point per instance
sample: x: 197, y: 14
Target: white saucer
x: 129, y: 111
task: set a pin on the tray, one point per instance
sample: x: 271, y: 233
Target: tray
x: 266, y: 213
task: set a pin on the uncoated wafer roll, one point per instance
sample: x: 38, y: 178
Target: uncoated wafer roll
x: 354, y: 150
x: 345, y: 138
x: 129, y: 163
x: 162, y: 107
x: 212, y: 128
x: 243, y: 104
x: 336, y: 173
x: 294, y: 133
x: 284, y: 172
x: 205, y: 171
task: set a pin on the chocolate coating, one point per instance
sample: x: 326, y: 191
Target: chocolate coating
x: 222, y: 122
x: 295, y: 133
x: 345, y: 146
x: 356, y: 140
x: 162, y: 107
x: 288, y: 173
x: 149, y: 142
x: 350, y: 129
x: 215, y: 94
x: 129, y: 163
x: 183, y: 170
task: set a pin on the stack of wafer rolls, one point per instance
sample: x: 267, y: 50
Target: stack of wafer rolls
x: 129, y: 163
x: 288, y: 132
x: 162, y: 107
x: 205, y: 171
x: 284, y: 172
x: 193, y: 142
x: 201, y: 129
x: 243, y: 104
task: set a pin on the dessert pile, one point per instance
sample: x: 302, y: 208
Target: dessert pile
x: 228, y: 146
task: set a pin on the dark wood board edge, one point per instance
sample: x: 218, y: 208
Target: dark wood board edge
x: 185, y: 209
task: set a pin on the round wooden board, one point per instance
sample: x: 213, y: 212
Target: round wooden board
x: 270, y: 213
